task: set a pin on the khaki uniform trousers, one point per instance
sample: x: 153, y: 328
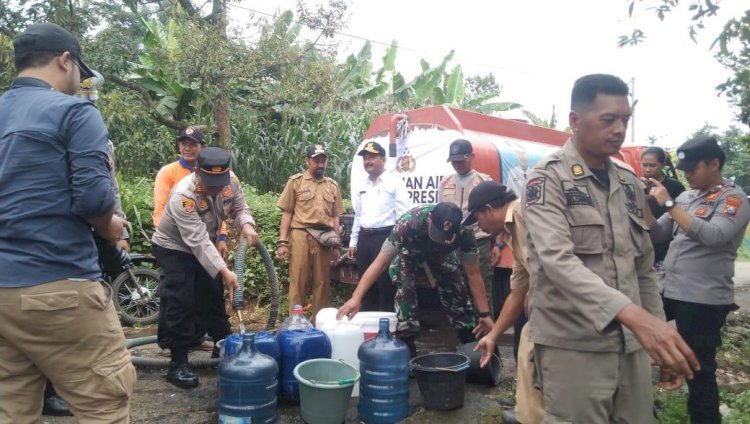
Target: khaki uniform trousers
x: 69, y: 332
x: 529, y: 404
x: 309, y: 265
x: 595, y: 387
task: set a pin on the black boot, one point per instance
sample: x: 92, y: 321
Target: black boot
x: 54, y: 405
x: 180, y: 374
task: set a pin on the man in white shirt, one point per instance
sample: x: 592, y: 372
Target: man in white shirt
x: 382, y: 199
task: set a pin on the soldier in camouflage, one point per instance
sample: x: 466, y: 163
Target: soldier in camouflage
x: 430, y: 237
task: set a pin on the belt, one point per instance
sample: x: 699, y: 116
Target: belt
x: 379, y: 230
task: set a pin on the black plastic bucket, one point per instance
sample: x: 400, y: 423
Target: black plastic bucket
x: 441, y: 378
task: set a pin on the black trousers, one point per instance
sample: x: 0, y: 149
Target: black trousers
x: 191, y: 302
x: 381, y: 295
x: 700, y: 325
x: 500, y: 289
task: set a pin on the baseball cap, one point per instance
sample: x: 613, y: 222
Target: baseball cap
x: 485, y: 193
x: 697, y: 149
x: 372, y: 147
x: 213, y: 165
x: 460, y: 150
x: 193, y: 133
x: 316, y: 150
x: 47, y: 37
x: 446, y: 223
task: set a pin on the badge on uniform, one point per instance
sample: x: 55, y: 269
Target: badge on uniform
x: 227, y: 192
x: 203, y: 204
x: 576, y: 195
x: 712, y: 196
x: 188, y: 205
x: 732, y: 205
x: 577, y: 170
x: 535, y: 191
x: 199, y: 189
x: 701, y: 212
x: 450, y: 186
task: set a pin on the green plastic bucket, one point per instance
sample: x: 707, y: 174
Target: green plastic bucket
x: 325, y: 388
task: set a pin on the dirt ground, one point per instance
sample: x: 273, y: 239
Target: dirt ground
x: 158, y: 402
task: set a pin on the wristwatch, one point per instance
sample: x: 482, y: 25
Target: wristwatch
x: 669, y: 204
x: 483, y: 314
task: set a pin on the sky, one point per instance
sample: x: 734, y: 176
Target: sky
x: 536, y: 49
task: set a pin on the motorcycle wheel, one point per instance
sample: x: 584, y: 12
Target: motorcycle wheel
x: 132, y: 308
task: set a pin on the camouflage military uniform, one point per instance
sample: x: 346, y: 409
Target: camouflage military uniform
x: 410, y: 248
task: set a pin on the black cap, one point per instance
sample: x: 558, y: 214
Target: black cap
x: 372, y: 147
x: 47, y: 37
x: 697, y: 149
x: 192, y: 133
x: 485, y: 193
x: 316, y: 150
x: 460, y: 150
x: 213, y: 165
x: 446, y: 223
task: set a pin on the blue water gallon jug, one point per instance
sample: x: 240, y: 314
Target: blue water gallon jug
x: 384, y: 385
x: 247, y: 386
x: 267, y: 344
x: 299, y: 346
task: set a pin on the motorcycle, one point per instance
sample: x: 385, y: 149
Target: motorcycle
x: 134, y: 279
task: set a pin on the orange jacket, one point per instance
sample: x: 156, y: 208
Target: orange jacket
x: 167, y: 177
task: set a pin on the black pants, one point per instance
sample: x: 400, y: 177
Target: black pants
x: 700, y: 325
x: 381, y: 295
x: 500, y: 289
x: 191, y: 302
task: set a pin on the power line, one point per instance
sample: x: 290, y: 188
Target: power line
x: 399, y: 47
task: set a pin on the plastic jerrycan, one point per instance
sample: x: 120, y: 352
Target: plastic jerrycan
x: 345, y: 337
x: 384, y: 385
x: 298, y: 343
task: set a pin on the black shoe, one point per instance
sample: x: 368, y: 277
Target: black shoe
x: 182, y: 376
x: 55, y: 406
x: 509, y: 417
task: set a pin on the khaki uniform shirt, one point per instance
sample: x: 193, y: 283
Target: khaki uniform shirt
x: 192, y: 220
x: 313, y: 203
x: 452, y: 192
x: 590, y: 254
x: 700, y: 263
x: 515, y: 239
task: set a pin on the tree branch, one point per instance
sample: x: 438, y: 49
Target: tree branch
x: 189, y: 8
x: 148, y: 102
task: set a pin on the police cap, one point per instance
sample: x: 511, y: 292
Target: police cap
x: 701, y: 148
x: 213, y: 166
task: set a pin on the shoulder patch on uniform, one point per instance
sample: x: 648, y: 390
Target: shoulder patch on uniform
x: 732, y: 205
x: 577, y: 170
x: 329, y: 179
x: 535, y: 191
x: 188, y: 205
x: 295, y: 176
